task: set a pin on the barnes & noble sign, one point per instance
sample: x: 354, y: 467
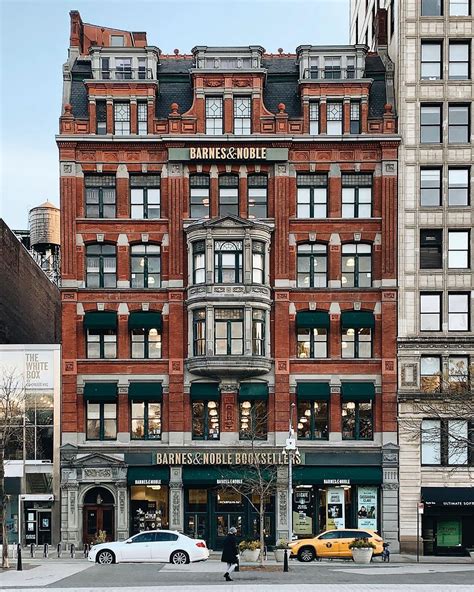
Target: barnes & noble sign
x: 226, y: 153
x: 224, y: 458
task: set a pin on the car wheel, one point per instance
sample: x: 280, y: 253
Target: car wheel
x: 306, y: 554
x: 179, y: 557
x: 105, y: 557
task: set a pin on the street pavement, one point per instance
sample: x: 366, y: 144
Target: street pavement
x: 325, y: 576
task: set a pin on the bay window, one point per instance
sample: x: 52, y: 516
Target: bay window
x: 228, y: 331
x: 228, y: 262
x: 199, y: 262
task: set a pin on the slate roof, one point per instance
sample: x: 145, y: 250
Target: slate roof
x: 374, y: 68
x: 80, y: 104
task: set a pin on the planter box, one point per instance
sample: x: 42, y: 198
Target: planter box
x: 362, y: 555
x: 280, y: 554
x: 250, y: 556
x: 471, y: 553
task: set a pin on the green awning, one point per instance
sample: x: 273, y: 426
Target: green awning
x: 145, y: 391
x: 309, y: 319
x: 100, y: 391
x: 144, y: 320
x: 220, y: 475
x: 333, y: 475
x: 252, y: 391
x: 357, y: 320
x: 358, y: 391
x: 205, y: 391
x: 312, y: 391
x: 151, y: 475
x: 100, y: 320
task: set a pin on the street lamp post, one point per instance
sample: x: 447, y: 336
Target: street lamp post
x: 290, y: 449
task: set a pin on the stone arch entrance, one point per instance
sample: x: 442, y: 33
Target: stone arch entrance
x: 98, y: 514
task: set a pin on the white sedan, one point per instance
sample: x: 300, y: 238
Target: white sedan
x: 163, y: 546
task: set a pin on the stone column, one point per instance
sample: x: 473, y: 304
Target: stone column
x: 281, y: 518
x: 176, y: 499
x: 122, y: 511
x: 390, y: 486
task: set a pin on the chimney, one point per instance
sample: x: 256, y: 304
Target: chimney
x: 381, y: 35
x: 75, y: 39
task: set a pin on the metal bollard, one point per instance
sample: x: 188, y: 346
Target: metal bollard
x: 237, y: 567
x: 45, y: 550
x: 59, y: 550
x: 285, y: 561
x: 73, y: 550
x: 32, y: 550
x: 19, y: 565
x: 86, y: 550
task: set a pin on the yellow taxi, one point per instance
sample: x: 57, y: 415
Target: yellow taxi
x: 333, y: 544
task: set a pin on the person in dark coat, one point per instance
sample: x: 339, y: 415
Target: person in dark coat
x: 230, y: 553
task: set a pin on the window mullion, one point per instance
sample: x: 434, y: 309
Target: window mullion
x: 145, y: 271
x: 357, y: 421
x: 229, y: 337
x: 145, y: 202
x: 356, y: 344
x: 313, y: 421
x: 101, y: 421
x: 145, y: 420
x: 356, y: 270
x: 101, y: 203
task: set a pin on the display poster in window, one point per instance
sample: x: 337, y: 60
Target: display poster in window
x: 302, y: 512
x: 367, y: 508
x: 335, y: 508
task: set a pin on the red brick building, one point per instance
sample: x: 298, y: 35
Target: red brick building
x: 229, y: 249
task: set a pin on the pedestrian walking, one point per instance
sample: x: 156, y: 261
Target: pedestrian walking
x: 230, y: 553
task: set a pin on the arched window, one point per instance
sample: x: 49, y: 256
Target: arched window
x: 257, y: 196
x: 145, y: 266
x: 101, y: 266
x: 228, y: 195
x: 312, y: 266
x: 356, y: 266
x: 228, y: 262
x: 357, y: 334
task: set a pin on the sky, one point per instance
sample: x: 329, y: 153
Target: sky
x: 34, y: 41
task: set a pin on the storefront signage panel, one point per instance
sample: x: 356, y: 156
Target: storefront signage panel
x: 335, y: 508
x: 302, y: 511
x: 33, y: 368
x: 228, y: 153
x: 224, y: 458
x: 367, y: 507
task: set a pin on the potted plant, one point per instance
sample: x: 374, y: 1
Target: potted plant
x: 362, y: 550
x: 249, y: 550
x: 100, y: 537
x: 280, y: 549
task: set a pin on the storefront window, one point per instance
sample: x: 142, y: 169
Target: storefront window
x: 149, y: 507
x: 146, y: 420
x: 357, y: 420
x: 205, y: 420
x: 253, y: 420
x: 313, y: 420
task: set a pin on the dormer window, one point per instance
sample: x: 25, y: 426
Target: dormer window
x: 117, y: 40
x: 332, y: 67
x: 214, y: 116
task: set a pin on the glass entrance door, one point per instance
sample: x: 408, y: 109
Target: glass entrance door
x: 196, y: 526
x: 96, y: 519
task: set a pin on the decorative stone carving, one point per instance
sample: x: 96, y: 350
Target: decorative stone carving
x: 214, y: 82
x: 409, y: 375
x: 97, y: 473
x: 283, y: 508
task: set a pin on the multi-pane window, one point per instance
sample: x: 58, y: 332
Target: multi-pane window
x: 431, y: 7
x: 355, y: 117
x: 356, y: 342
x: 334, y: 118
x: 146, y: 420
x: 199, y: 196
x: 313, y: 419
x: 357, y: 420
x: 458, y: 186
x: 214, y: 116
x: 101, y: 266
x: 146, y: 343
x: 431, y: 60
x: 228, y: 331
x: 101, y: 117
x: 228, y: 195
x: 431, y: 249
x: 356, y: 196
x: 199, y: 262
x: 123, y: 68
x: 430, y: 124
x: 430, y: 186
x: 430, y: 374
x: 356, y: 265
x: 459, y: 7
x: 105, y: 68
x: 459, y: 58
x: 228, y: 262
x: 312, y: 196
x: 430, y: 311
x: 145, y: 266
x: 312, y: 265
x: 314, y: 118
x: 458, y: 374
x: 446, y: 442
x: 258, y: 332
x: 242, y: 116
x: 312, y: 342
x: 101, y: 420
x: 199, y: 332
x: 258, y: 262
x: 142, y: 118
x: 205, y: 420
x: 100, y: 196
x: 253, y: 420
x: 122, y: 119
x: 458, y: 311
x: 332, y: 67
x: 142, y: 73
x: 145, y: 196
x: 101, y: 343
x: 458, y: 124
x: 458, y: 249
x: 350, y: 67
x: 257, y: 196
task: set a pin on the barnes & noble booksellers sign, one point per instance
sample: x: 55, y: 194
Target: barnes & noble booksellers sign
x: 228, y: 153
x: 224, y: 458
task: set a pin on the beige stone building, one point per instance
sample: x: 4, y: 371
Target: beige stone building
x: 430, y: 42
